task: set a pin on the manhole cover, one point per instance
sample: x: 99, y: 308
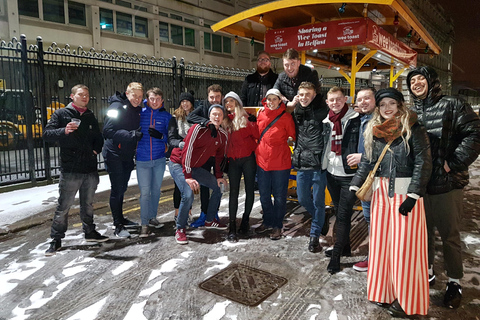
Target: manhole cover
x: 243, y: 284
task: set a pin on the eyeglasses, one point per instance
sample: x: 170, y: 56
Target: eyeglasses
x: 263, y: 60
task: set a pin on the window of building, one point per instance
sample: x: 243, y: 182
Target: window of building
x: 28, y: 8
x: 76, y: 13
x: 177, y: 34
x: 163, y: 31
x: 217, y: 43
x: 106, y: 19
x: 124, y: 24
x: 53, y: 10
x: 141, y: 27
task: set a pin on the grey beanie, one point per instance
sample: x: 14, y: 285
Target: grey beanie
x: 233, y: 95
x: 187, y: 96
x: 216, y: 106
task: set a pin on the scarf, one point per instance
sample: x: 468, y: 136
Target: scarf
x: 392, y: 128
x: 183, y: 127
x: 337, y: 129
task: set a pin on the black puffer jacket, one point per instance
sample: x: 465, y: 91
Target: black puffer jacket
x: 397, y: 164
x: 454, y: 131
x: 286, y: 87
x: 119, y: 129
x: 351, y: 132
x: 309, y: 143
x: 251, y: 88
x: 76, y: 148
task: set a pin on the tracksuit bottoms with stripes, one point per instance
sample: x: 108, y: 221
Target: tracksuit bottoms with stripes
x: 398, y: 256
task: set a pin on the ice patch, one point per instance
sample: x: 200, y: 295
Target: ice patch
x: 313, y: 317
x: 333, y: 315
x: 469, y: 239
x: 136, y: 311
x: 223, y: 261
x: 218, y: 311
x: 147, y: 292
x: 338, y: 298
x: 72, y: 268
x: 227, y: 243
x: 186, y: 254
x: 14, y: 249
x: 2, y: 256
x: 49, y: 281
x: 314, y: 306
x: 154, y: 274
x: 73, y: 271
x: 124, y: 267
x: 90, y: 312
x: 170, y: 265
x: 17, y: 271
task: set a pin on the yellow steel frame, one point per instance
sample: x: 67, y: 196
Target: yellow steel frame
x: 355, y: 68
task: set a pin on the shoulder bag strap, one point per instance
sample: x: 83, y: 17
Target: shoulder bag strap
x: 270, y: 125
x: 381, y: 157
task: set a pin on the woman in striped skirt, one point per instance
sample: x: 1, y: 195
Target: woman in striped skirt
x: 397, y: 270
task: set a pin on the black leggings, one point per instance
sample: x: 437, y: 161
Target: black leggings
x: 248, y: 167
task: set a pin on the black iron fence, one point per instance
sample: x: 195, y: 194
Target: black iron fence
x: 35, y: 82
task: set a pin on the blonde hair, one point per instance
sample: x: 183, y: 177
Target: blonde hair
x: 180, y: 113
x: 134, y: 86
x: 239, y: 121
x: 377, y: 119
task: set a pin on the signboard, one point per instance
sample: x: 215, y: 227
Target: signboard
x: 337, y: 34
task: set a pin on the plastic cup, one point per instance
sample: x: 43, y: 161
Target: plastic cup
x: 76, y: 121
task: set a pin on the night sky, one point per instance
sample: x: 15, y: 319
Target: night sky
x: 466, y: 50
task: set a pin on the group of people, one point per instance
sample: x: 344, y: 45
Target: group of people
x: 417, y: 186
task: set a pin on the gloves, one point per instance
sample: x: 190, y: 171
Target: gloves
x: 407, y: 206
x: 252, y: 118
x: 213, y: 130
x: 351, y: 197
x: 155, y: 133
x: 137, y: 134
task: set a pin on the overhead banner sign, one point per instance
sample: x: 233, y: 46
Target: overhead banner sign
x: 337, y: 34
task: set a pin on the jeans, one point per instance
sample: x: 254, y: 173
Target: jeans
x: 236, y: 167
x: 366, y: 211
x: 273, y: 183
x: 207, y: 179
x: 119, y: 174
x: 204, y: 191
x: 306, y: 179
x: 70, y: 183
x: 339, y: 191
x: 150, y: 177
x: 176, y: 171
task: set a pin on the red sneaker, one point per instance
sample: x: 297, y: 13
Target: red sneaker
x: 361, y: 266
x: 181, y: 237
x: 215, y: 224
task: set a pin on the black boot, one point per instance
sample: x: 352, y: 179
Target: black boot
x: 232, y: 231
x: 244, y: 227
x: 334, y: 264
x: 346, y: 252
x: 314, y: 245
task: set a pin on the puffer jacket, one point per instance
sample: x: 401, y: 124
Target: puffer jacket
x: 286, y: 87
x: 307, y: 154
x: 273, y: 152
x: 350, y: 132
x: 118, y: 130
x: 396, y: 163
x: 251, y: 87
x: 150, y: 148
x: 76, y: 148
x: 242, y: 142
x: 454, y: 131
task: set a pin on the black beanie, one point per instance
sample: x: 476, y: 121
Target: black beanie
x: 388, y: 93
x: 187, y: 96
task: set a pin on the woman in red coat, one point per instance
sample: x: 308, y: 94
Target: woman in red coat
x: 273, y: 161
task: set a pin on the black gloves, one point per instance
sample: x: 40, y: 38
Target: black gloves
x: 213, y: 130
x: 407, y: 206
x: 155, y: 133
x: 351, y: 197
x: 252, y: 118
x: 137, y: 134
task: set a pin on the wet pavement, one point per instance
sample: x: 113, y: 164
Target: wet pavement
x: 156, y: 278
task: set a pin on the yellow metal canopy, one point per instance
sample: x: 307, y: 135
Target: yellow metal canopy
x: 392, y: 15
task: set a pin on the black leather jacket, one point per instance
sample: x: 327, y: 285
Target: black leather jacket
x: 251, y: 88
x: 396, y: 163
x: 351, y: 131
x: 309, y: 142
x: 454, y: 131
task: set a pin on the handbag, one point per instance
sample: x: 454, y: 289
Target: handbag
x: 365, y: 192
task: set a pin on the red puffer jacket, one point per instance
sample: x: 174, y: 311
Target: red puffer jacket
x: 273, y: 152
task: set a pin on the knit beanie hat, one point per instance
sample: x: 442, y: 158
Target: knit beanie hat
x: 388, y: 93
x: 233, y: 95
x: 274, y: 92
x: 187, y: 96
x: 216, y: 106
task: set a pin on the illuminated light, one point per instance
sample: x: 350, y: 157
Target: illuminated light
x: 342, y: 8
x: 374, y: 69
x: 261, y: 18
x: 409, y: 34
x: 315, y: 50
x: 395, y: 21
x: 309, y: 61
x: 378, y: 55
x: 236, y: 40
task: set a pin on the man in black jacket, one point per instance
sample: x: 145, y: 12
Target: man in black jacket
x: 76, y: 129
x: 294, y: 73
x: 307, y: 158
x: 258, y: 83
x: 122, y: 132
x: 454, y: 131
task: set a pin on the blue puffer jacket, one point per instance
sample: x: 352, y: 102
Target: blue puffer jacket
x: 150, y: 148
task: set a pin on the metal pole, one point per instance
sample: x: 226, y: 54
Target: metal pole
x: 29, y: 110
x: 174, y: 83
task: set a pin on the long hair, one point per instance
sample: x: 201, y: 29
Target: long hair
x: 239, y: 121
x: 404, y: 114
